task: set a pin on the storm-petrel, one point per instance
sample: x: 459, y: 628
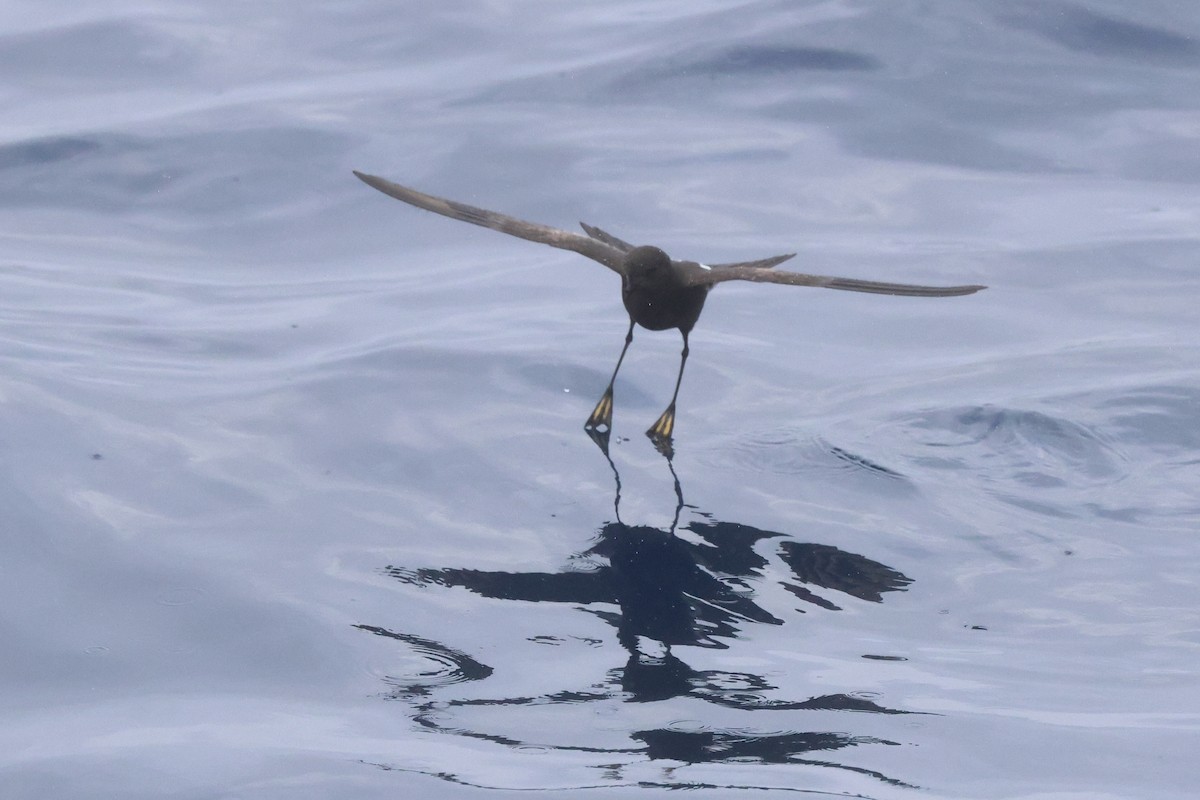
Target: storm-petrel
x: 659, y: 292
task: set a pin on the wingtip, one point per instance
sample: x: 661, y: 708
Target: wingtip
x: 770, y: 263
x: 958, y: 291
x: 380, y: 184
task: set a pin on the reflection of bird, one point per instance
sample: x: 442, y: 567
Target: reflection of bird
x: 659, y: 292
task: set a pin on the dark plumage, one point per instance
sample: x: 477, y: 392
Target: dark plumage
x: 658, y: 291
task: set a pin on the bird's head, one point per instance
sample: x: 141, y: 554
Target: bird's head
x: 647, y: 262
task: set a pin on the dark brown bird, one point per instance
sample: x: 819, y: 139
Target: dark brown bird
x: 659, y: 292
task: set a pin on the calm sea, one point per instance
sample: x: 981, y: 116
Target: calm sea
x: 295, y: 497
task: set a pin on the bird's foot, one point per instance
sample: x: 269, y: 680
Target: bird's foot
x: 660, y: 432
x: 601, y: 418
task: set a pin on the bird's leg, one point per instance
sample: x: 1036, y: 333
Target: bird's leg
x: 660, y: 432
x: 601, y: 418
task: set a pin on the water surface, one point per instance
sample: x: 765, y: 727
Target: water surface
x: 295, y: 493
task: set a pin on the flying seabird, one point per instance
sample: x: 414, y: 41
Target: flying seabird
x: 659, y: 292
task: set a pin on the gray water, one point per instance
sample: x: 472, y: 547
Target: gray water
x: 296, y: 500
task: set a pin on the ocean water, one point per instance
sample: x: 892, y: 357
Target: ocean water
x: 296, y: 500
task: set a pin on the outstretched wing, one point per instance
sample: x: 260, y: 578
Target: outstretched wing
x: 595, y: 249
x: 762, y: 263
x: 606, y: 237
x: 697, y: 275
x: 624, y: 246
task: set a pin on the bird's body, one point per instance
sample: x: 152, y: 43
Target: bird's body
x: 656, y: 293
x: 660, y: 293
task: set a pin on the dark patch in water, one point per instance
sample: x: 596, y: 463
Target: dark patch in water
x: 827, y: 566
x: 1086, y: 31
x: 758, y: 61
x: 44, y: 151
x: 773, y: 59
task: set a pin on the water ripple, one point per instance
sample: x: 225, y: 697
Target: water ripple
x: 430, y: 664
x: 785, y: 452
x: 1033, y: 448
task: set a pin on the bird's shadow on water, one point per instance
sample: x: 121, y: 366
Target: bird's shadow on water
x: 660, y: 591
